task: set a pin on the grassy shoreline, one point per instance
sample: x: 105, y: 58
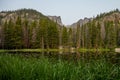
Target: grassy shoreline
x: 20, y: 68
x: 56, y: 50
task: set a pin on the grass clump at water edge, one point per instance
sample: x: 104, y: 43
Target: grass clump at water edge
x: 14, y: 67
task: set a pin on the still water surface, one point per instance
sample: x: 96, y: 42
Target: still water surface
x: 112, y: 57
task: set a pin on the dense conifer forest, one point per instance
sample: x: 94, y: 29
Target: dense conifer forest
x: 27, y: 28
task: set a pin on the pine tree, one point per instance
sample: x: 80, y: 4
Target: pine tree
x: 110, y: 38
x: 18, y: 39
x: 53, y: 36
x: 89, y: 39
x: 26, y: 33
x: 64, y: 37
x: 8, y: 32
x: 98, y: 35
x: 70, y: 38
x: 78, y: 36
x: 33, y: 35
x: 42, y: 34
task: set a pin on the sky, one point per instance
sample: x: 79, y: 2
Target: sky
x: 69, y: 10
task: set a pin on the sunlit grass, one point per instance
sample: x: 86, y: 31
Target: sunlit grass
x: 93, y: 50
x: 56, y: 50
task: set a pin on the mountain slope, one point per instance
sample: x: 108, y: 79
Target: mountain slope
x: 27, y: 28
x: 29, y: 14
x: 103, y: 30
x: 109, y: 16
x: 81, y: 22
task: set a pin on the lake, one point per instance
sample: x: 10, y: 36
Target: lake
x: 110, y: 56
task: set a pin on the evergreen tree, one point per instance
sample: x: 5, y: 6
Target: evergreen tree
x: 53, y: 36
x: 89, y: 39
x: 78, y: 36
x: 110, y: 38
x: 8, y: 32
x: 64, y: 37
x: 18, y: 38
x: 70, y: 38
x: 33, y: 35
x: 99, y: 41
x: 26, y: 33
x: 42, y: 34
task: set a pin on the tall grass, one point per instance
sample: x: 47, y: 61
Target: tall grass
x: 21, y: 68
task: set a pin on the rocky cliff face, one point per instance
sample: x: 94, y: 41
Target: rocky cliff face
x: 81, y: 22
x: 56, y: 19
x: 111, y: 16
x: 29, y: 14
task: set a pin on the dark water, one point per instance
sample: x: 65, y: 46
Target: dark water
x: 112, y: 57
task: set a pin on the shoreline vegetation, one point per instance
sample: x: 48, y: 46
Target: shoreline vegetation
x: 56, y: 50
x: 15, y: 67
